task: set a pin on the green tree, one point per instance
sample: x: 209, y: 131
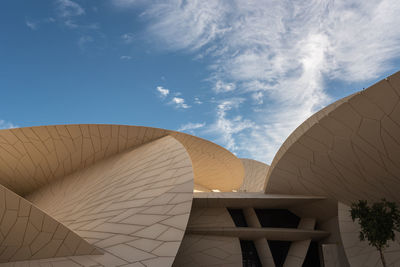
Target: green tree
x: 378, y: 223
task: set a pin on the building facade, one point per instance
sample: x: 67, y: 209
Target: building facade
x: 116, y: 195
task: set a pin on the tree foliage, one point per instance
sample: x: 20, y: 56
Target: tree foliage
x: 378, y: 222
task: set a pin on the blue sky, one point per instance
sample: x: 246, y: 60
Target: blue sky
x: 243, y: 74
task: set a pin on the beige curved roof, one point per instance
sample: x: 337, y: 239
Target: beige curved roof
x: 255, y: 173
x: 133, y: 206
x: 349, y: 150
x: 33, y: 156
x: 27, y: 233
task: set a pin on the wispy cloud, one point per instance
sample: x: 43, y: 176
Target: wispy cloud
x: 128, y: 38
x: 70, y: 14
x: 7, y: 125
x: 278, y: 54
x: 68, y: 8
x: 32, y: 25
x: 221, y: 87
x: 229, y: 126
x: 163, y: 92
x: 127, y: 3
x: 191, y: 126
x: 179, y: 102
x: 198, y: 101
x: 125, y: 58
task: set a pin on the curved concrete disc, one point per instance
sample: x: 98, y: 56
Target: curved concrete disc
x: 348, y: 151
x: 28, y: 233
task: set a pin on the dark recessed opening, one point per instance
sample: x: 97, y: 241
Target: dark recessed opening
x: 279, y: 251
x: 279, y: 218
x: 249, y: 254
x: 238, y: 217
x: 312, y: 257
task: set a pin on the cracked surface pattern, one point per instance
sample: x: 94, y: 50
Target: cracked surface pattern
x: 27, y: 233
x: 34, y: 156
x: 254, y: 176
x: 348, y: 151
x: 206, y: 250
x: 202, y: 250
x: 133, y: 206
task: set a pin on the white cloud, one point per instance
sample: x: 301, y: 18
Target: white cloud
x: 198, y: 101
x: 227, y: 127
x: 221, y: 87
x: 190, y: 24
x: 258, y: 97
x: 125, y: 58
x: 128, y: 37
x: 163, y: 91
x: 191, y: 126
x: 281, y: 54
x: 32, y: 25
x: 179, y: 102
x: 50, y: 20
x: 7, y: 125
x: 127, y: 3
x: 68, y: 8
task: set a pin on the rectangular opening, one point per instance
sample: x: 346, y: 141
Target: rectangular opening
x: 277, y: 218
x: 249, y: 254
x: 279, y: 251
x: 238, y: 217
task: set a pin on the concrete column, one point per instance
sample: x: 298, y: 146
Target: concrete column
x: 298, y: 249
x: 261, y: 244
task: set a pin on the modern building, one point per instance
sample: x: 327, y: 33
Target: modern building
x: 116, y: 195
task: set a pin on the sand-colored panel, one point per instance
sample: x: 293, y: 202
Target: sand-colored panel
x: 133, y: 206
x: 214, y: 167
x: 255, y: 174
x: 347, y: 151
x: 261, y: 244
x: 248, y: 233
x: 28, y: 233
x: 32, y: 157
x: 201, y: 250
x: 210, y: 217
x: 205, y: 250
x: 359, y: 253
x: 298, y: 250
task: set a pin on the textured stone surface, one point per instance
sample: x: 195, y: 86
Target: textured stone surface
x: 261, y: 244
x: 298, y: 249
x: 26, y: 232
x: 331, y: 255
x: 32, y: 157
x: 200, y: 250
x: 347, y: 151
x: 133, y: 207
x: 205, y: 250
x: 254, y: 176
